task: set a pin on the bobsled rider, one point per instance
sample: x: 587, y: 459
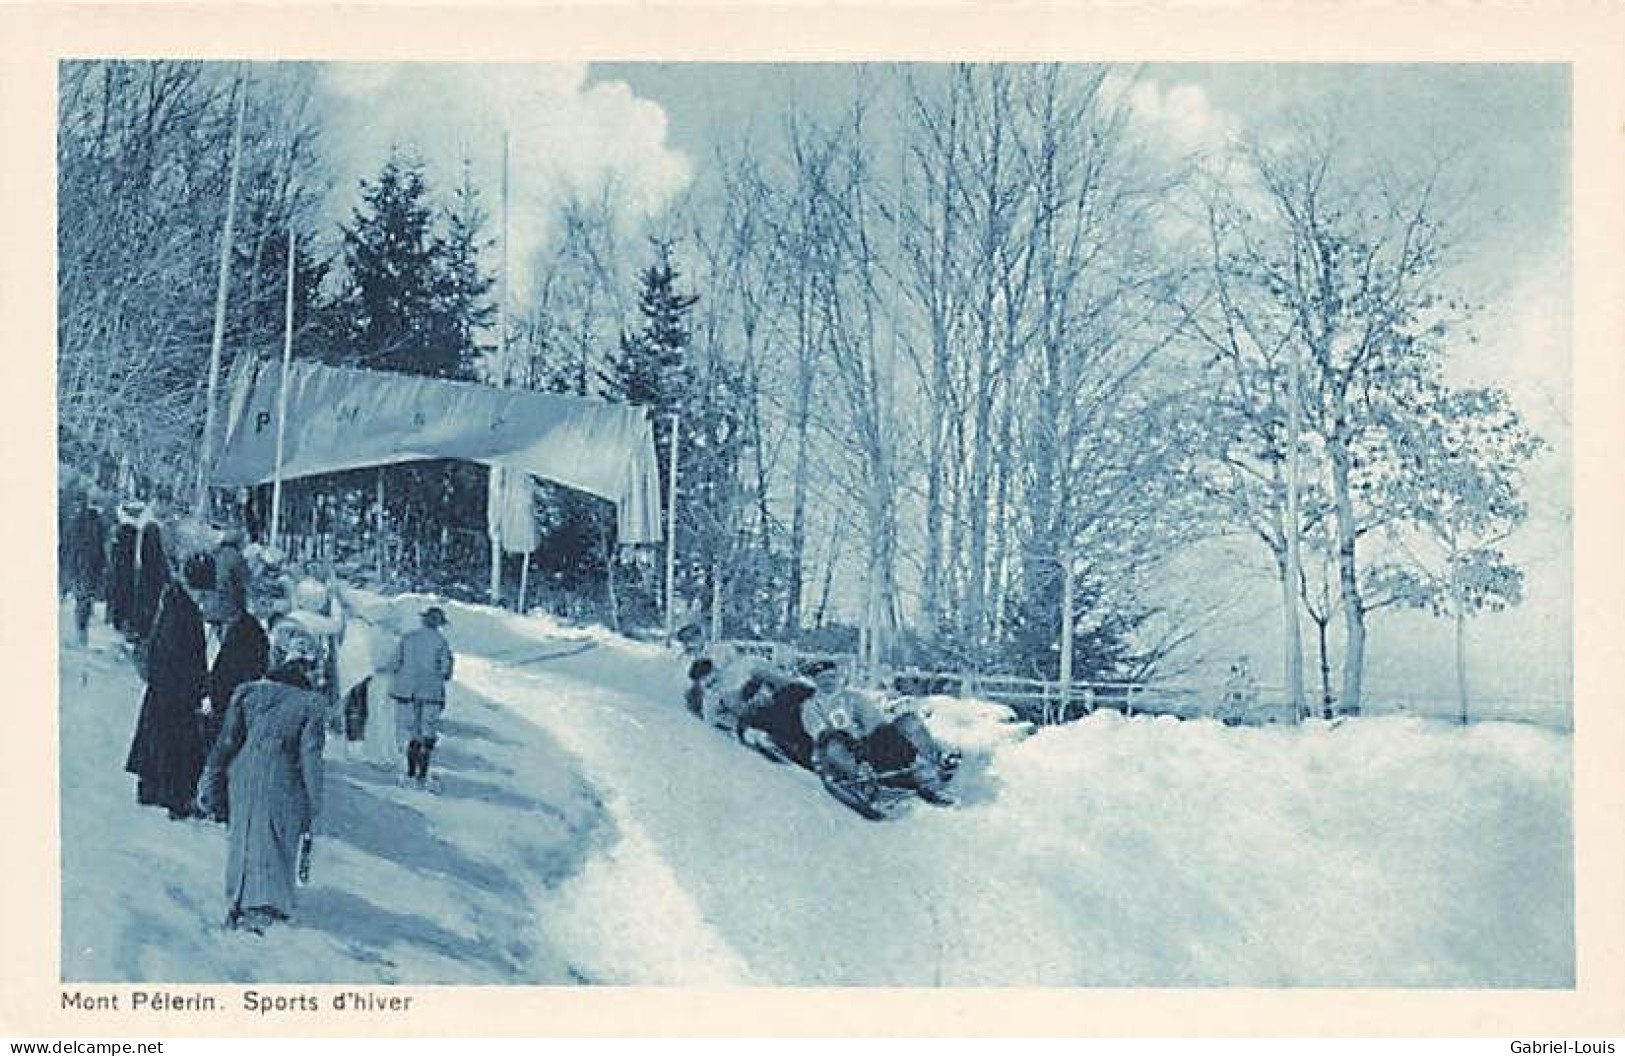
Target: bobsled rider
x: 725, y: 686
x: 849, y: 731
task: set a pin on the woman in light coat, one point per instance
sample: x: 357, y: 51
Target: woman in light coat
x: 271, y: 749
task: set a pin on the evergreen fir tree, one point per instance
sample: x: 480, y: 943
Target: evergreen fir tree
x: 464, y: 309
x: 652, y: 368
x: 417, y: 301
x: 392, y: 260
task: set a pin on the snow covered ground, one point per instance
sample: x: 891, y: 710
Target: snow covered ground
x: 591, y: 830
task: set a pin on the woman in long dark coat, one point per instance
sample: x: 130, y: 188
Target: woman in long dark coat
x: 244, y: 657
x: 151, y: 575
x: 271, y: 749
x: 167, y: 751
x: 121, y: 573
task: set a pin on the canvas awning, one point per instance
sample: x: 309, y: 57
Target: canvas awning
x: 342, y: 418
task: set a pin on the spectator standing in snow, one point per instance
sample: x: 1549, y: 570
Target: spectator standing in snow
x: 166, y: 753
x: 69, y: 494
x: 120, y: 588
x: 369, y: 711
x: 318, y: 609
x: 419, y: 672
x: 152, y: 574
x: 230, y: 596
x: 271, y: 751
x: 86, y: 562
x: 270, y: 589
x: 244, y: 657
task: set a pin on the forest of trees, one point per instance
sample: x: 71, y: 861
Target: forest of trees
x: 955, y: 372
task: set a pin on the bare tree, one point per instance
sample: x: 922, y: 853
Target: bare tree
x: 1344, y: 270
x: 142, y: 171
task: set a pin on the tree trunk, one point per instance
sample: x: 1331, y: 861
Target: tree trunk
x: 930, y: 583
x: 1293, y: 525
x: 975, y: 622
x: 798, y: 495
x: 1067, y: 603
x: 1322, y: 626
x: 1291, y: 628
x: 716, y: 599
x: 1461, y: 662
x: 1459, y: 609
x: 1347, y: 572
x: 829, y: 574
x: 1293, y: 642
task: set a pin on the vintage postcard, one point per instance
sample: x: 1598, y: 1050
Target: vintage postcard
x: 813, y: 520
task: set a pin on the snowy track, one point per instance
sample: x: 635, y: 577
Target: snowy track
x: 592, y: 830
x: 1113, y: 852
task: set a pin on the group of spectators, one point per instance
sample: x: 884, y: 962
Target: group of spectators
x: 241, y: 661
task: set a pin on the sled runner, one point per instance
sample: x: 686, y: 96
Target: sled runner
x: 877, y: 795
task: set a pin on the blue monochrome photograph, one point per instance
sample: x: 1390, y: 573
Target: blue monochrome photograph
x: 815, y: 525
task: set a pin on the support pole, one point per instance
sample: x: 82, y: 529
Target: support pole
x: 495, y: 480
x: 1067, y: 601
x: 498, y: 479
x: 378, y: 526
x: 282, y: 396
x: 206, y: 464
x: 524, y: 582
x: 671, y: 537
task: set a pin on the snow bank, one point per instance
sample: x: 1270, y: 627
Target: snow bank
x: 971, y: 726
x: 1377, y: 852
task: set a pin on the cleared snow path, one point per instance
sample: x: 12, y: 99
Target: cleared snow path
x: 406, y: 887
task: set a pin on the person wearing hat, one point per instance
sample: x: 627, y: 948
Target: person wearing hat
x: 120, y: 585
x: 418, y: 675
x: 152, y: 572
x: 317, y: 608
x: 230, y: 597
x: 848, y: 729
x: 86, y: 544
x: 167, y: 750
x: 270, y: 753
x: 243, y: 656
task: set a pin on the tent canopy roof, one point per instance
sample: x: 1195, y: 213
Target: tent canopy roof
x: 341, y: 418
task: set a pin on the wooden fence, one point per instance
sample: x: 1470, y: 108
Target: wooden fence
x: 1049, y: 702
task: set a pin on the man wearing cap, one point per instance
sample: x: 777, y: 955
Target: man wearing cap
x: 420, y: 670
x: 842, y: 721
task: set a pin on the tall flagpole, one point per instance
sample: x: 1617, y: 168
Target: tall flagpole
x: 498, y: 478
x: 282, y: 394
x: 206, y: 464
x: 671, y: 536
